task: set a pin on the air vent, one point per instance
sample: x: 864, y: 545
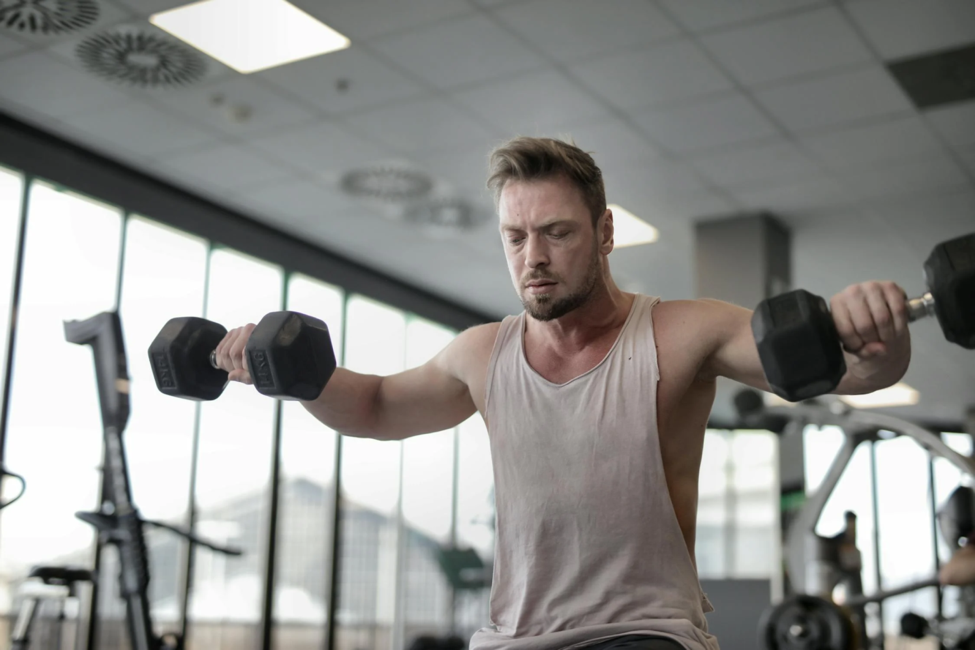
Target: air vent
x: 141, y: 59
x: 444, y: 216
x: 393, y: 184
x: 48, y: 16
x: 937, y: 79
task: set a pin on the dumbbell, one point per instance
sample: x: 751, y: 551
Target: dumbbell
x: 800, y: 348
x: 289, y: 356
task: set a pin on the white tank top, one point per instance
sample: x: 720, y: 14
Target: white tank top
x: 588, y: 544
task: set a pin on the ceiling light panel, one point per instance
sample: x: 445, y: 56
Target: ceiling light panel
x: 629, y: 229
x: 250, y: 35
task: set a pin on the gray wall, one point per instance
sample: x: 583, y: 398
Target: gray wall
x: 738, y: 604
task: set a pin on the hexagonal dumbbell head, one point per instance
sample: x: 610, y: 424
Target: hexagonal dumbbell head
x: 290, y: 356
x: 180, y: 359
x: 798, y: 345
x: 950, y: 274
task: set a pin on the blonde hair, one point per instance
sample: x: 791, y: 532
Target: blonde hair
x: 534, y: 159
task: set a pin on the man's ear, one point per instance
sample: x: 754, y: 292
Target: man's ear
x: 606, y: 232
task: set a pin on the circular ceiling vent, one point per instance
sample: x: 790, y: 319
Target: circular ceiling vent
x: 444, y: 216
x: 394, y: 184
x: 141, y: 59
x: 48, y: 16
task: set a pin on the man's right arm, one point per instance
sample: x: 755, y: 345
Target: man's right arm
x: 432, y: 397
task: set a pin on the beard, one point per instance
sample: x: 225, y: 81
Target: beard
x: 544, y: 308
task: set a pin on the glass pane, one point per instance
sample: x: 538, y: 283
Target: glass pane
x: 819, y: 448
x: 710, y: 546
x: 163, y: 276
x: 234, y: 471
x: 11, y: 194
x: 375, y: 344
x: 906, y: 544
x: 428, y: 488
x: 70, y: 272
x: 305, y: 504
x: 475, y: 519
x: 754, y: 482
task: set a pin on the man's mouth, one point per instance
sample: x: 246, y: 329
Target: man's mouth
x: 540, y: 286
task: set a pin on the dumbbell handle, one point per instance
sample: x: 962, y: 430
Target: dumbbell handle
x: 213, y: 358
x: 918, y: 308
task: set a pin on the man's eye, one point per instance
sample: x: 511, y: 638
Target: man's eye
x: 559, y: 235
x: 515, y: 240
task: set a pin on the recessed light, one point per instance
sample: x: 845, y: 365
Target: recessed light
x: 629, y: 229
x: 250, y: 35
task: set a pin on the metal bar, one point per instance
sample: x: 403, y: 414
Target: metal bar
x: 267, y: 616
x: 856, y: 601
x: 333, y: 578
x: 932, y: 498
x: 875, y: 504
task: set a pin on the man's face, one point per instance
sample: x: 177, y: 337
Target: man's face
x: 551, y: 246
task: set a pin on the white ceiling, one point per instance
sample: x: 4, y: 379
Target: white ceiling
x: 694, y: 108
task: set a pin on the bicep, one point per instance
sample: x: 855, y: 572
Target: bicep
x: 421, y: 400
x: 731, y: 349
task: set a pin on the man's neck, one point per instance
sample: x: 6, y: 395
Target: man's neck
x: 603, y: 313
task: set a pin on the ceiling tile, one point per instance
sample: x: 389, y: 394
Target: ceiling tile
x: 324, y: 150
x: 895, y: 139
x: 956, y: 123
x: 532, y: 103
x: 611, y: 142
x: 909, y: 27
x: 658, y: 177
x: 239, y: 106
x: 466, y: 171
x: 666, y: 73
x: 139, y: 128
x: 578, y: 29
x: 459, y: 51
x: 826, y: 101
x: 786, y: 47
x: 812, y: 195
x: 903, y: 178
x: 43, y: 84
x: 10, y: 45
x: 344, y: 81
x: 357, y: 19
x: 221, y: 168
x: 777, y: 161
x: 708, y: 14
x: 427, y: 125
x: 297, y: 200
x: 715, y: 123
x: 968, y: 159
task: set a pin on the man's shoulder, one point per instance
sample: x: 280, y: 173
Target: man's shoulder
x: 699, y: 318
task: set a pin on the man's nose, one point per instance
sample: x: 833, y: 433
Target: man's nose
x: 536, y: 253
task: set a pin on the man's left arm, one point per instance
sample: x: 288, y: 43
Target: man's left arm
x: 872, y: 322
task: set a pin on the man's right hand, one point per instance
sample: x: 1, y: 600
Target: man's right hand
x: 230, y: 354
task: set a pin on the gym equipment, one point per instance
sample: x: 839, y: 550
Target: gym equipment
x: 806, y: 623
x: 817, y: 564
x: 954, y: 633
x: 289, y: 356
x: 797, y: 340
x: 51, y: 583
x: 118, y: 521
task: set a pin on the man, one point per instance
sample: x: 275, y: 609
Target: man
x: 596, y: 402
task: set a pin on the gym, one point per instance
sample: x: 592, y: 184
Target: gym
x: 196, y: 197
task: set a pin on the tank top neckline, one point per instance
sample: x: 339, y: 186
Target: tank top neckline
x: 619, y: 337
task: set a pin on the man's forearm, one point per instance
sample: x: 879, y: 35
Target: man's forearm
x: 348, y: 403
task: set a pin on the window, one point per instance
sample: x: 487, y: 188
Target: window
x: 54, y: 437
x: 164, y: 275
x: 371, y: 470
x: 306, y: 495
x: 233, y: 470
x: 428, y: 498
